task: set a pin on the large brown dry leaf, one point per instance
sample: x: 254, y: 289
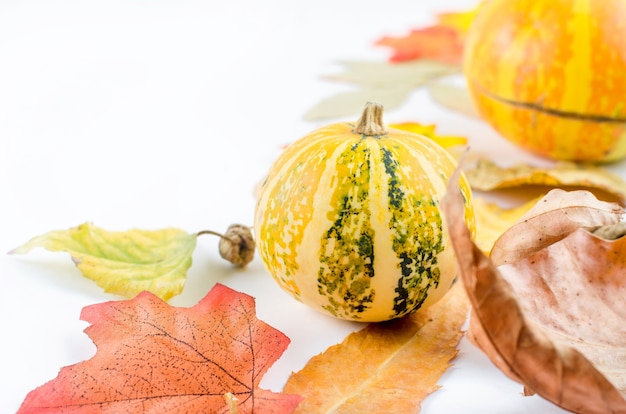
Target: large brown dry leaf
x: 551, y: 219
x: 487, y: 176
x: 535, y: 335
x: 388, y: 367
x: 575, y: 290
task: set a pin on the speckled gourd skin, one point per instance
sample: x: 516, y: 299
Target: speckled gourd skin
x: 550, y: 75
x: 350, y: 224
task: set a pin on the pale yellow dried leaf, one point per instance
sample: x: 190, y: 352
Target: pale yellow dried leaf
x: 349, y: 104
x: 454, y: 97
x: 388, y: 74
x: 387, y: 367
x: 388, y: 83
x: 487, y: 176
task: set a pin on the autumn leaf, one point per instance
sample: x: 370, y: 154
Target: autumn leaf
x: 551, y: 219
x: 345, y: 104
x: 553, y: 320
x: 578, y: 292
x: 384, y: 82
x: 438, y: 42
x: 442, y: 41
x: 460, y: 21
x: 561, y: 210
x: 152, y: 357
x: 384, y: 74
x: 488, y: 176
x: 124, y: 263
x: 428, y: 131
x: 387, y: 367
x: 418, y: 58
x: 492, y: 220
x: 453, y: 97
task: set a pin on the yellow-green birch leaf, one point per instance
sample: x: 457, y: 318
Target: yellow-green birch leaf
x: 124, y: 263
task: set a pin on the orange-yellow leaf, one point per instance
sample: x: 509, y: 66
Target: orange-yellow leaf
x: 155, y: 358
x: 445, y: 141
x: 460, y: 21
x: 492, y: 220
x: 388, y: 367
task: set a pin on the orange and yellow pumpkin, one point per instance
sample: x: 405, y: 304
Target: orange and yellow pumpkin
x: 348, y: 220
x: 550, y: 75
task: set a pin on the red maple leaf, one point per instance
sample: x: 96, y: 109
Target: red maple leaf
x: 438, y: 42
x: 153, y: 357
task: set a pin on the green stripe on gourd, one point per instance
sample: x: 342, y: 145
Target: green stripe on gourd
x: 346, y: 248
x: 417, y: 237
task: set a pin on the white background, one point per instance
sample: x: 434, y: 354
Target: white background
x: 167, y: 113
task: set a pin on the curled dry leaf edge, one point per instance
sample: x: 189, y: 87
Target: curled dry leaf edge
x: 526, y: 354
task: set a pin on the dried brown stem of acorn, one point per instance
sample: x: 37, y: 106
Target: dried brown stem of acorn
x: 236, y: 245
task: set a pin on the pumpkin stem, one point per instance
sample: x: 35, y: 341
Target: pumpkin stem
x: 371, y: 121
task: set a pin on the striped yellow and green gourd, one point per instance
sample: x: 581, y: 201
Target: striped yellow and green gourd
x: 348, y: 220
x: 550, y: 75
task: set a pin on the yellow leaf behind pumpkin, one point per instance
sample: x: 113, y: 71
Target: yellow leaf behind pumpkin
x: 493, y: 220
x: 460, y: 21
x: 428, y: 131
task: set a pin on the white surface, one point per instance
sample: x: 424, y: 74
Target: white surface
x: 163, y: 113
